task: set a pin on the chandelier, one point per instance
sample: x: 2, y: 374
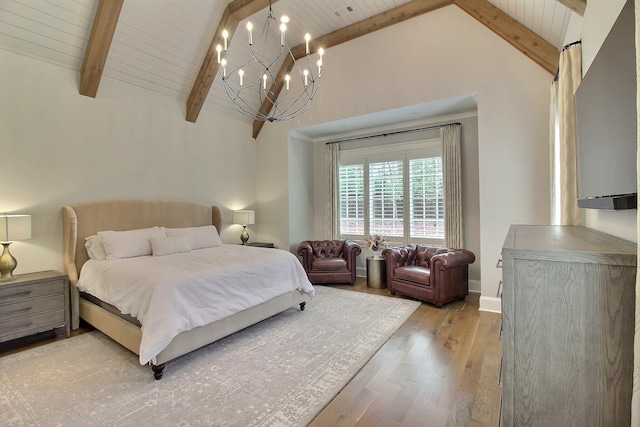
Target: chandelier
x: 280, y: 97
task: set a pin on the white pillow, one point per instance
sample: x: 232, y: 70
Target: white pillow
x: 205, y: 236
x: 130, y: 243
x: 169, y: 245
x: 95, y: 248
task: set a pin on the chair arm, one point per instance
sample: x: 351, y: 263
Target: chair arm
x: 451, y: 259
x: 306, y: 252
x: 350, y: 251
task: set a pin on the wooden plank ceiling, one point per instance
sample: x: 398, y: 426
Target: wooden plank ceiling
x: 489, y: 13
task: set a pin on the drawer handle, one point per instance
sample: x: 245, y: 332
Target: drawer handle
x: 20, y: 294
x: 499, y: 264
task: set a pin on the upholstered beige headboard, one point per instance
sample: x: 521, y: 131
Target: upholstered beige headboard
x: 87, y: 219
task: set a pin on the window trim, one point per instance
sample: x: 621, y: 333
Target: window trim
x: 405, y: 151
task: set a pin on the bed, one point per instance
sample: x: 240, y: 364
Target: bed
x: 88, y: 219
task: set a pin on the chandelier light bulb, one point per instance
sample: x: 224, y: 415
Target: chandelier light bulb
x: 218, y: 49
x: 284, y: 19
x: 287, y: 78
x: 306, y: 77
x: 224, y: 67
x: 264, y: 81
x: 241, y: 74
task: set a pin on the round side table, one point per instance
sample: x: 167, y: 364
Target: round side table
x: 376, y: 273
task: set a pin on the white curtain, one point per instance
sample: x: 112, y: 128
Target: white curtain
x: 332, y: 204
x: 452, y: 173
x: 635, y: 398
x: 564, y: 179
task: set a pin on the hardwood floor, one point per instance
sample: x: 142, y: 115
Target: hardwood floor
x: 439, y: 369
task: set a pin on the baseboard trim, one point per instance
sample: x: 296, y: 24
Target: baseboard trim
x: 491, y: 304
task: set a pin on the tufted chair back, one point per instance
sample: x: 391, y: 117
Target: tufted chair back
x: 423, y: 254
x: 327, y: 248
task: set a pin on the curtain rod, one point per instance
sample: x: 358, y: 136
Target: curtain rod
x: 357, y: 138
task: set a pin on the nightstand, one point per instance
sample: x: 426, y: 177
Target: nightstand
x: 261, y: 244
x: 33, y: 303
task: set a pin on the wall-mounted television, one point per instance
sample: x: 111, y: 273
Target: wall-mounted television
x: 607, y: 121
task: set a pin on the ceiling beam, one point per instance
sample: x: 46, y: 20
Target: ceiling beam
x: 578, y: 6
x: 235, y: 12
x: 348, y: 33
x: 526, y: 41
x: 95, y: 56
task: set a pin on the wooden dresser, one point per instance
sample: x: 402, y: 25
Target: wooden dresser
x: 568, y: 323
x: 32, y: 303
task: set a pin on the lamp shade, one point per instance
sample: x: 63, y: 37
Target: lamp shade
x: 15, y: 227
x: 244, y: 217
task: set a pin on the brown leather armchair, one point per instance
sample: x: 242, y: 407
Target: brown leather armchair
x: 330, y: 261
x: 434, y: 274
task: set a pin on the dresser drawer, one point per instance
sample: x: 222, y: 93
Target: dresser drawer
x: 28, y: 307
x: 20, y: 326
x: 11, y: 294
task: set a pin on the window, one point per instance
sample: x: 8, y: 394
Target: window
x: 352, y: 199
x: 426, y: 189
x: 395, y: 190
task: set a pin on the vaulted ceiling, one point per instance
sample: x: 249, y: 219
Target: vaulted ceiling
x: 167, y: 46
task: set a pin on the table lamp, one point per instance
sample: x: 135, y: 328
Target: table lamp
x: 244, y: 218
x: 12, y: 228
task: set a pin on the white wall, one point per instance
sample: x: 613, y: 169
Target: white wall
x: 302, y: 211
x: 435, y: 56
x: 593, y: 29
x: 59, y: 148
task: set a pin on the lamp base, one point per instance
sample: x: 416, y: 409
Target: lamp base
x: 244, y: 236
x: 7, y: 262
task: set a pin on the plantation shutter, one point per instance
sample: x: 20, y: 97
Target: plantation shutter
x: 352, y: 199
x: 426, y: 200
x: 386, y: 191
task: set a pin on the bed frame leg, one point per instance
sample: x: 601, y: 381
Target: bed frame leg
x: 302, y: 305
x: 157, y: 371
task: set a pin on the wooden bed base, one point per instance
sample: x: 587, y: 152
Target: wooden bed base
x: 87, y: 219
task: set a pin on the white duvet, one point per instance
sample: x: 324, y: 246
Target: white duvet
x: 175, y: 293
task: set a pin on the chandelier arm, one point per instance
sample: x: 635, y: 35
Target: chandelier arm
x: 305, y: 106
x: 241, y: 105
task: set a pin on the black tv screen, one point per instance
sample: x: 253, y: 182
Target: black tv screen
x: 606, y: 121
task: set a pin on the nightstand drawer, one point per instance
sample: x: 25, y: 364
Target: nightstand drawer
x: 11, y: 294
x: 27, y: 307
x: 21, y: 326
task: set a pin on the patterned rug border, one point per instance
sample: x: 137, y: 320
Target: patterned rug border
x: 297, y: 404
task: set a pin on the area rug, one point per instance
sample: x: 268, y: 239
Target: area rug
x: 280, y: 372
